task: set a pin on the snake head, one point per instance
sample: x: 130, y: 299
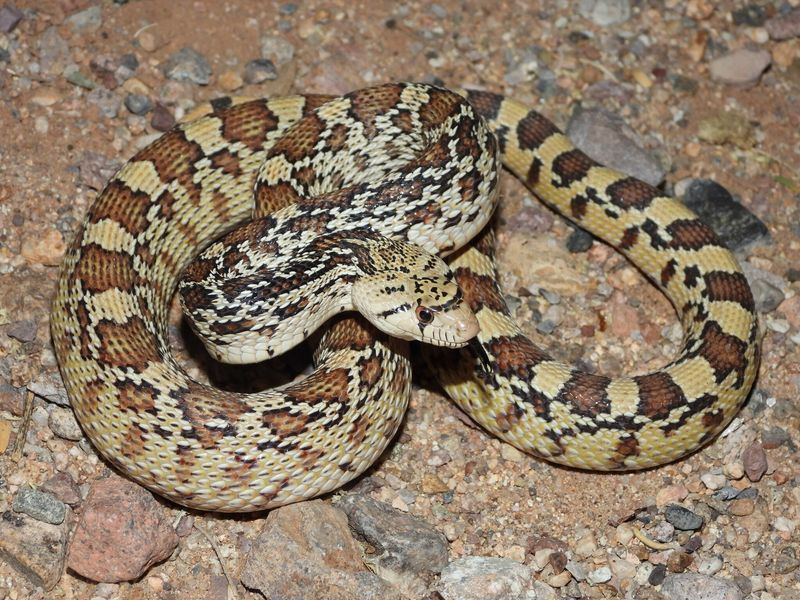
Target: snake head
x: 420, y: 300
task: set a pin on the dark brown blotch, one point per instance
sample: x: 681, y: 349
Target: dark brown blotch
x: 99, y: 270
x: 571, y: 166
x: 586, y: 393
x: 630, y: 192
x: 729, y: 287
x: 659, y: 395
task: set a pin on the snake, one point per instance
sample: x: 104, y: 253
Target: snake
x: 420, y: 166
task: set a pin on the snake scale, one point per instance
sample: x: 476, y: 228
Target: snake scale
x: 217, y: 450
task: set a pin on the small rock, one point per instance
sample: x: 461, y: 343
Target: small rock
x: 682, y: 518
x: 138, y: 104
x: 601, y: 575
x: 726, y: 493
x: 511, y: 454
x: 62, y: 486
x: 693, y: 586
x: 678, y: 561
x: 734, y: 224
x: 713, y: 481
x: 53, y: 51
x: 710, y: 566
x: 775, y: 437
x: 318, y: 557
x: 741, y: 67
x: 277, y: 49
x: 88, y: 20
x: 72, y: 73
x: 23, y: 331
x: 755, y: 461
x: 230, y: 81
x: 657, y: 575
x: 671, y: 494
x: 162, y: 119
x: 606, y: 138
x: 662, y: 532
x: 106, y: 101
x: 767, y: 296
x: 46, y: 97
x: 483, y: 578
x: 407, y: 548
x: 259, y: 71
x: 579, y: 241
x: 727, y: 127
x: 95, y: 169
x: 46, y: 249
x: 123, y: 531
x: 187, y: 65
x: 148, y: 41
x: 39, y: 505
x: 742, y: 507
x: 784, y: 27
x: 62, y: 422
x: 605, y: 12
x: 10, y: 17
x: 34, y: 548
x: 751, y: 15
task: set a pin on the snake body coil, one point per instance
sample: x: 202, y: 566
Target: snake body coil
x: 217, y: 450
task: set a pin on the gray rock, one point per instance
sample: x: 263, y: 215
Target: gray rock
x: 63, y: 487
x: 10, y: 16
x: 579, y: 241
x: 35, y: 549
x: 106, y: 101
x: 187, y: 65
x: 734, y: 224
x: 605, y: 12
x: 750, y: 15
x: 50, y: 387
x: 767, y: 296
x: 23, y: 331
x: 483, y: 578
x: 607, y: 139
x: 682, y: 518
x: 407, y: 549
x: 784, y: 27
x: 53, y: 51
x: 89, y: 19
x: 277, y: 49
x: 694, y: 586
x: 138, y: 104
x: 741, y: 67
x: 39, y: 505
x: 62, y: 422
x: 259, y: 71
x: 72, y: 73
x: 306, y: 550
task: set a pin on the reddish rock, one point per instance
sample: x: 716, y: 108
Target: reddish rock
x: 755, y: 461
x: 123, y: 532
x: 33, y: 548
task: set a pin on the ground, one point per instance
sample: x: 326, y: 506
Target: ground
x: 60, y: 141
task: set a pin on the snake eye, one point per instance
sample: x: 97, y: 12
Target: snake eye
x: 424, y: 315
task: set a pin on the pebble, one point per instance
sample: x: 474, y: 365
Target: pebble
x: 657, y: 575
x: 579, y: 241
x: 22, y: 331
x: 62, y: 486
x: 53, y: 51
x: 259, y: 71
x: 671, y: 494
x: 710, y: 566
x: 605, y: 137
x: 46, y: 97
x: 601, y: 575
x: 741, y: 507
x: 726, y: 493
x: 662, y: 532
x: 585, y: 546
x: 138, y: 104
x: 34, y: 548
x: 73, y: 74
x: 784, y: 27
x: 755, y: 461
x: 123, y: 531
x: 775, y: 437
x: 767, y: 296
x: 10, y: 16
x: 484, y: 578
x: 751, y: 15
x: 87, y: 20
x: 741, y: 67
x: 306, y: 550
x: 187, y: 65
x: 106, y: 101
x: 45, y: 249
x: 230, y: 81
x: 713, y: 481
x: 692, y: 586
x: 682, y: 518
x: 277, y: 49
x: 509, y: 453
x: 605, y: 12
x: 734, y: 224
x: 162, y: 119
x: 39, y: 505
x: 678, y: 561
x: 148, y: 41
x: 727, y: 127
x: 408, y: 548
x: 62, y: 422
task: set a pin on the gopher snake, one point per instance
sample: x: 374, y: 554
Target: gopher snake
x: 211, y: 449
